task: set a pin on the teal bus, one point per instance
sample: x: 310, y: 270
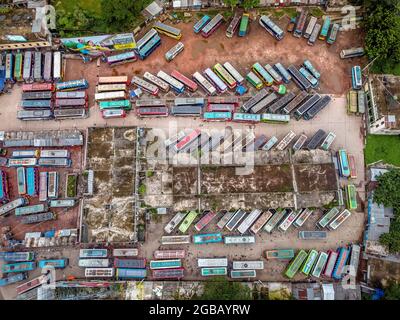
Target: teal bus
x: 18, y: 267
x: 295, y: 264
x: 254, y: 80
x: 263, y: 74
x: 217, y: 116
x: 165, y: 264
x: 56, y: 263
x: 206, y: 272
x: 117, y: 104
x: 188, y: 221
x: 312, y: 257
x: 207, y: 238
x: 320, y: 264
x: 325, y: 28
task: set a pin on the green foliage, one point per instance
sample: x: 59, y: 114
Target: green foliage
x: 392, y: 292
x: 388, y: 190
x: 5, y: 10
x: 380, y: 147
x: 221, y: 289
x: 149, y: 173
x: 391, y: 240
x: 249, y: 4
x: 231, y: 3
x: 142, y: 189
x: 71, y: 186
x: 316, y: 12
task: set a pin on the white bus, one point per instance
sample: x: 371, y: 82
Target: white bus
x: 174, y: 51
x: 175, y: 240
x: 212, y: 262
x: 112, y: 80
x: 128, y: 252
x: 310, y: 27
x: 57, y: 66
x: 248, y: 265
x: 234, y: 73
x: 204, y: 83
x: 111, y: 87
x: 174, y: 222
x: 157, y: 81
x: 52, y: 185
x: 261, y: 221
x: 342, y: 217
x: 177, y: 86
x: 110, y: 95
x: 288, y: 221
x: 211, y: 76
x: 43, y: 186
x: 146, y: 86
x: 249, y: 220
x: 239, y: 239
x: 304, y: 215
x: 94, y: 263
x: 61, y: 153
x: 286, y: 141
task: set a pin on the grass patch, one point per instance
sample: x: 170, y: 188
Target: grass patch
x: 384, y: 148
x: 386, y: 66
x: 142, y: 189
x: 316, y: 12
x: 93, y: 6
x: 290, y: 12
x: 71, y: 186
x: 278, y: 13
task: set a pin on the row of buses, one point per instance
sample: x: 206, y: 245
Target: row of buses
x: 34, y: 66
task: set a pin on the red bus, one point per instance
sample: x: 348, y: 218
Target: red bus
x: 187, y: 140
x: 352, y: 164
x: 27, y: 87
x: 191, y: 85
x: 206, y: 219
x: 152, y: 112
x: 34, y: 283
x: 224, y: 100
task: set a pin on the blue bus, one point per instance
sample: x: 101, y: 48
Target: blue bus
x: 122, y: 273
x: 12, y: 279
x: 344, y: 168
x: 356, y: 78
x: 283, y: 72
x: 146, y: 45
x: 201, y: 23
x: 217, y: 116
x: 340, y: 263
x: 72, y: 85
x: 207, y: 238
x: 314, y: 82
x: 56, y: 263
x: 31, y: 179
x: 18, y: 267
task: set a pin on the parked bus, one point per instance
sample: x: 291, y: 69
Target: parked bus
x: 169, y: 31
x: 270, y: 143
x: 215, y: 80
x: 300, y: 142
x: 325, y: 28
x: 125, y: 57
x: 62, y: 203
x: 312, y: 235
x: 125, y: 252
x: 236, y: 218
x: 187, y: 140
x: 333, y: 35
x: 282, y: 145
x: 342, y: 217
x: 93, y: 253
x: 113, y: 80
x: 169, y: 240
x: 21, y: 180
x: 213, y: 25
x: 212, y: 262
x: 4, y: 196
x: 327, y: 218
x: 27, y: 71
x: 261, y: 221
x: 281, y: 254
x: 72, y: 85
x: 99, y: 272
x: 344, y: 168
x: 306, y: 74
x: 217, y: 116
x: 199, y: 25
x: 206, y: 272
x: 239, y: 239
x: 152, y: 112
x: 59, y: 153
x: 156, y: 81
x: 22, y: 162
x: 275, y: 75
x: 306, y: 105
x: 205, y: 220
x: 165, y: 264
x: 263, y: 105
x: 249, y: 220
x: 36, y: 104
x: 71, y: 95
x: 225, y: 218
x: 286, y: 77
x: 204, y: 83
x: 6, y: 208
x: 52, y: 185
x: 18, y: 267
x: 317, y: 107
x: 130, y: 273
x: 71, y: 103
x: 234, y: 73
x: 296, y: 264
x: 144, y: 85
x: 31, y: 284
x: 177, y: 86
x: 75, y: 113
x: 271, y: 27
x: 207, y: 238
x: 309, y: 263
x: 320, y: 264
x: 352, y: 164
x: 18, y: 67
x: 291, y: 216
x: 12, y: 279
x: 328, y: 141
x: 111, y: 87
x: 299, y: 79
x: 237, y: 274
x: 130, y: 263
x: 262, y: 74
x: 192, y: 111
x: 174, y: 222
x: 354, y: 260
x: 343, y: 255
x: 111, y: 95
x: 18, y: 256
x: 356, y: 78
x: 37, y: 95
x: 187, y: 221
x: 30, y: 87
x: 48, y: 66
x: 10, y: 67
x: 330, y: 264
x: 31, y: 115
x: 248, y: 265
x: 311, y: 68
x: 225, y: 76
x: 174, y: 51
x: 94, y: 263
x: 56, y: 263
x: 230, y: 32
x: 175, y: 274
x: 37, y: 218
x: 361, y: 102
x: 244, y: 23
x: 169, y: 254
x: 57, y: 66
x: 146, y: 45
x: 304, y: 215
x: 352, y: 101
x: 254, y: 80
x: 37, y: 208
x: 274, y: 220
x: 54, y: 162
x: 300, y: 23
x: 310, y: 27
x: 189, y: 84
x: 352, y: 53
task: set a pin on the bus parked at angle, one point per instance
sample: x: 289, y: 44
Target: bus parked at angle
x: 306, y: 74
x: 282, y: 145
x: 291, y: 216
x: 47, y: 69
x: 117, y: 104
x: 37, y: 208
x: 314, y: 34
x: 62, y: 203
x: 187, y: 140
x: 330, y: 264
x: 327, y: 218
x: 356, y: 78
x: 212, y: 262
x: 206, y: 272
x: 270, y: 143
x: 219, y: 84
x: 302, y: 218
x: 36, y: 104
x: 205, y: 220
x: 313, y: 111
x: 306, y: 105
x: 333, y: 35
x: 169, y: 254
x: 18, y: 256
x: 342, y: 217
x: 156, y: 81
x: 72, y: 85
x: 34, y: 115
x: 352, y: 163
x: 54, y: 162
x: 130, y: 263
x: 309, y: 263
x: 37, y: 87
x: 351, y: 197
x: 344, y: 168
x: 111, y: 87
x: 130, y: 273
x: 237, y: 274
x: 254, y: 80
x: 169, y: 240
x: 169, y: 31
x: 207, y: 238
x: 225, y: 76
x: 121, y: 58
x: 191, y: 216
x: 261, y: 221
x: 146, y: 45
x: 217, y: 116
x: 165, y: 264
x: 244, y: 23
x: 286, y: 77
x: 57, y: 66
x: 300, y: 23
x: 18, y: 67
x: 174, y: 222
x: 174, y: 51
x: 177, y: 86
x: 230, y: 32
x: 199, y: 25
x: 320, y: 264
x: 312, y: 235
x: 52, y: 185
x: 21, y: 180
x: 262, y: 74
x: 113, y: 113
x: 27, y: 71
x: 12, y: 279
x: 263, y: 105
x: 113, y: 80
x: 234, y: 73
x: 343, y: 256
x: 281, y: 254
x: 311, y: 68
x: 145, y: 85
x: 37, y: 95
x: 225, y: 218
x: 56, y: 263
x: 249, y: 220
x: 18, y: 267
x: 299, y: 142
x: 25, y: 162
x: 152, y: 112
x: 325, y: 28
x: 299, y: 79
x: 275, y: 75
x: 189, y: 84
x: 310, y: 27
x: 352, y: 53
x: 274, y: 220
x: 295, y: 264
x: 254, y: 100
x: 248, y: 265
x: 10, y: 67
x: 93, y: 253
x: 99, y: 272
x: 271, y: 27
x: 31, y: 284
x: 328, y: 141
x: 236, y: 218
x: 125, y: 252
x: 204, y: 83
x: 212, y: 26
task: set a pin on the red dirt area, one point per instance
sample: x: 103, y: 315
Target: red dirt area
x: 66, y: 218
x: 257, y: 46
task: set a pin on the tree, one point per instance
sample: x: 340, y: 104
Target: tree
x: 121, y: 12
x: 231, y: 3
x: 392, y: 292
x: 222, y: 289
x: 388, y: 190
x: 249, y: 4
x: 391, y: 240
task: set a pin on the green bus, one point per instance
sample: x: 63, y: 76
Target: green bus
x: 18, y: 67
x: 254, y: 80
x: 117, y: 104
x: 244, y: 24
x: 206, y: 272
x: 351, y: 197
x: 312, y: 257
x: 188, y: 221
x: 295, y: 264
